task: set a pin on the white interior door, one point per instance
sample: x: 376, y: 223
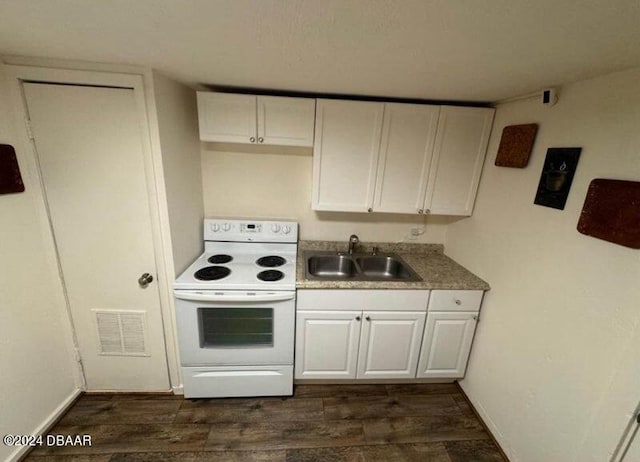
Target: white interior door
x: 632, y: 452
x: 90, y: 149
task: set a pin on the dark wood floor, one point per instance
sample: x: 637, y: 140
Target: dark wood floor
x: 320, y: 423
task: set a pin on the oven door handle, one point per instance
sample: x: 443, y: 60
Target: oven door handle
x: 233, y: 297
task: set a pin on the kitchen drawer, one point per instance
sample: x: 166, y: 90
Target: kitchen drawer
x: 227, y: 381
x: 455, y: 300
x: 346, y: 299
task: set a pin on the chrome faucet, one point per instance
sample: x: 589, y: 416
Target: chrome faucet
x: 353, y: 241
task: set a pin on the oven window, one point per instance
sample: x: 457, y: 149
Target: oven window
x: 235, y: 327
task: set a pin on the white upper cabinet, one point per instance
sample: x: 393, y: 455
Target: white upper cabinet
x: 406, y: 148
x: 458, y: 155
x: 286, y: 121
x: 345, y: 157
x: 227, y: 117
x: 251, y: 119
x: 398, y: 158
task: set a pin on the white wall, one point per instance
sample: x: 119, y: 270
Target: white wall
x: 275, y: 182
x: 560, y: 324
x: 36, y: 362
x: 180, y: 146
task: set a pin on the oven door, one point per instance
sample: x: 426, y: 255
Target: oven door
x: 235, y: 327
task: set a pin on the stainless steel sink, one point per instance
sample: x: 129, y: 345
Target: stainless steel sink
x: 331, y: 266
x: 357, y: 267
x: 384, y: 267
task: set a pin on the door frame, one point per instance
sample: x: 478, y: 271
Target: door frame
x: 141, y: 83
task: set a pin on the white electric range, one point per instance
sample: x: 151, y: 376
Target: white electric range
x: 235, y: 310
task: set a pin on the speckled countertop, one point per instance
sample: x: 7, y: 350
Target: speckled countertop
x: 428, y: 260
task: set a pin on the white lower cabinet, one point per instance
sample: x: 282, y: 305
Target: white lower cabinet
x: 390, y: 344
x: 356, y: 344
x: 446, y: 344
x: 384, y: 334
x: 327, y: 344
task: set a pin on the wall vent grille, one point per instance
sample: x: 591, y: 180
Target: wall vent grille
x: 121, y: 333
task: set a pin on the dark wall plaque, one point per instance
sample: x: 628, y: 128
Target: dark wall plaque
x: 10, y: 178
x: 516, y: 145
x: 557, y: 175
x: 611, y: 212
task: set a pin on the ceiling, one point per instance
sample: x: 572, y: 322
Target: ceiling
x: 465, y: 50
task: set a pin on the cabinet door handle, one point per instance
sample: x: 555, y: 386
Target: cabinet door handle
x: 260, y: 140
x: 368, y: 318
x: 358, y: 318
x: 252, y: 139
x: 475, y: 318
x: 420, y: 211
x: 369, y: 210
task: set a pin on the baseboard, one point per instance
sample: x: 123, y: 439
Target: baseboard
x: 178, y: 390
x: 48, y: 423
x: 368, y: 381
x: 484, y: 418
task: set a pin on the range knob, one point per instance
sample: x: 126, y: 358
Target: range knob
x: 275, y: 228
x: 215, y: 227
x: 286, y: 229
x: 226, y: 227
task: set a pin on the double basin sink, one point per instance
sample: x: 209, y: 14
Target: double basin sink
x: 357, y: 267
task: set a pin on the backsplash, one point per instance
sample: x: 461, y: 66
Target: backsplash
x: 268, y: 182
x: 383, y: 247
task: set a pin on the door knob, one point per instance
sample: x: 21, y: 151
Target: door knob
x: 145, y: 280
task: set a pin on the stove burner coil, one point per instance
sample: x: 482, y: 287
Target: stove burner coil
x: 211, y: 273
x: 270, y: 275
x: 271, y: 261
x: 220, y: 258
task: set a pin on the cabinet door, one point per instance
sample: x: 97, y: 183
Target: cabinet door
x: 345, y: 155
x: 327, y: 344
x: 286, y: 121
x: 408, y: 133
x: 390, y: 344
x: 460, y: 147
x: 227, y: 117
x: 446, y: 344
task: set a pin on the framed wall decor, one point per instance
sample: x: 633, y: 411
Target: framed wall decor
x: 557, y: 176
x: 516, y: 145
x: 10, y: 177
x: 611, y: 212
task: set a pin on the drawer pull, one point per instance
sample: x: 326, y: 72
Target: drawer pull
x: 458, y: 301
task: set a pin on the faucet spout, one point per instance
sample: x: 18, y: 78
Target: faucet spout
x: 353, y: 241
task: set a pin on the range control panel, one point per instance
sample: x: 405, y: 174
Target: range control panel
x: 241, y: 230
